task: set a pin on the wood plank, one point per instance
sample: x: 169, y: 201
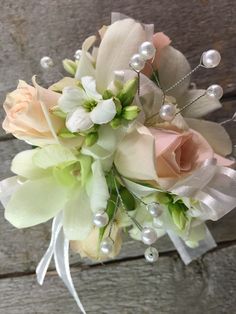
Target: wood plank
x: 30, y: 30
x: 206, y: 286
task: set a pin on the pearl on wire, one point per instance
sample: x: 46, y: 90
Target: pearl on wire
x: 151, y: 254
x: 137, y: 63
x: 100, y: 219
x: 211, y: 58
x: 215, y: 90
x: 147, y: 50
x: 78, y: 54
x: 154, y: 209
x: 167, y: 112
x: 46, y: 62
x: 148, y: 235
x: 106, y: 246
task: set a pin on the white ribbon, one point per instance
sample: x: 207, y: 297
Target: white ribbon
x: 59, y: 248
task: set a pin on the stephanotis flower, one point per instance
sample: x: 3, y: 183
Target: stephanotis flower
x: 85, y: 106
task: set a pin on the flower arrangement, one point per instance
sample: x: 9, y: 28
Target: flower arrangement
x: 119, y: 146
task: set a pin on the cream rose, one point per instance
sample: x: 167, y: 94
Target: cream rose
x: 25, y: 118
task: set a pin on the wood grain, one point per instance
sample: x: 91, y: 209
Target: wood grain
x: 32, y: 29
x: 206, y: 286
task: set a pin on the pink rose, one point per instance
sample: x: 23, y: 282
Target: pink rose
x: 160, y: 154
x: 25, y: 118
x: 160, y: 41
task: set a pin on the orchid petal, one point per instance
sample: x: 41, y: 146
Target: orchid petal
x: 85, y: 66
x: 77, y: 220
x: 214, y: 133
x: 35, y: 202
x: 71, y: 99
x: 79, y: 120
x: 23, y: 165
x: 97, y: 188
x: 65, y: 82
x: 89, y: 86
x: 104, y: 112
x: 53, y: 155
x: 200, y: 107
x: 173, y: 66
x: 121, y: 40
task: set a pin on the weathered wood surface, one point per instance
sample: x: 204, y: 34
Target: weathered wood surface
x: 32, y: 29
x: 168, y: 287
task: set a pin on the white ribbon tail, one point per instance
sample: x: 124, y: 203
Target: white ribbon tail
x: 43, y: 265
x: 61, y: 257
x: 188, y: 254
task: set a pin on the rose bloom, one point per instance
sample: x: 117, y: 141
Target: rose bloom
x: 159, y: 154
x: 25, y: 118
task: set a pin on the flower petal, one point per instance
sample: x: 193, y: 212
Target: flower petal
x: 89, y: 85
x: 173, y: 66
x: 214, y: 133
x: 104, y: 112
x: 85, y: 65
x: 97, y: 188
x: 53, y: 155
x: 35, y: 202
x: 79, y: 120
x: 77, y: 220
x: 23, y: 165
x: 119, y: 43
x: 71, y: 99
x: 65, y: 82
x: 199, y: 108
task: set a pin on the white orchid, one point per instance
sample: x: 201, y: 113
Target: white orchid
x: 85, y: 106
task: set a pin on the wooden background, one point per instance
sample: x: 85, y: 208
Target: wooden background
x: 30, y: 29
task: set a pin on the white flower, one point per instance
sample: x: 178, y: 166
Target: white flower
x: 73, y: 101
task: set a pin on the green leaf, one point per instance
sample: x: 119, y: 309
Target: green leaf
x: 111, y: 207
x: 107, y: 94
x: 164, y: 198
x: 53, y: 155
x: 91, y: 138
x: 127, y: 199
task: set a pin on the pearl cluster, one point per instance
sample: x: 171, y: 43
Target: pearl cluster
x: 146, y: 51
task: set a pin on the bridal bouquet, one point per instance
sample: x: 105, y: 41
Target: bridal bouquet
x: 119, y: 146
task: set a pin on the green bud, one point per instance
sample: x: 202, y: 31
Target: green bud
x: 164, y: 198
x: 115, y: 123
x: 65, y: 133
x: 127, y: 199
x: 70, y: 66
x: 118, y: 105
x: 179, y: 218
x: 130, y: 112
x: 89, y: 105
x: 56, y: 111
x: 91, y: 138
x: 107, y: 94
x: 126, y: 95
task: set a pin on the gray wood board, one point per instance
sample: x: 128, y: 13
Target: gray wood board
x: 32, y: 29
x: 168, y: 287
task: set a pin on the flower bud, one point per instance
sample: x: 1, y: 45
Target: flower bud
x: 91, y: 138
x: 126, y: 96
x: 118, y: 105
x: 107, y: 94
x: 70, y: 66
x: 115, y: 123
x: 130, y: 112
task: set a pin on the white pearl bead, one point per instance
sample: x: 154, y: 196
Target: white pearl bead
x: 154, y: 209
x: 157, y: 223
x: 211, y: 58
x: 148, y: 236
x: 167, y: 112
x: 137, y: 63
x: 100, y: 219
x: 46, y: 62
x: 147, y: 50
x: 215, y: 91
x: 151, y: 254
x: 78, y: 54
x: 106, y: 246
